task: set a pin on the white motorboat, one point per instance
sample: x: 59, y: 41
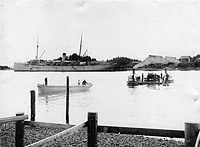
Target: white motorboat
x: 58, y: 89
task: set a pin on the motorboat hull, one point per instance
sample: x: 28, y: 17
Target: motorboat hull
x: 58, y: 89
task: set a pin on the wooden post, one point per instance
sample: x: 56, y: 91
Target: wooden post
x: 19, y: 132
x: 32, y: 105
x: 67, y: 101
x: 191, y: 133
x: 92, y: 129
x: 142, y: 77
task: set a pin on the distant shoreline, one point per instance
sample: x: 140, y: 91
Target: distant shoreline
x: 5, y: 68
x: 169, y: 69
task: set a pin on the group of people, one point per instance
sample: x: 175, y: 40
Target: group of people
x: 151, y: 77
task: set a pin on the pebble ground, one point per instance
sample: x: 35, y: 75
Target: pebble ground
x: 79, y: 139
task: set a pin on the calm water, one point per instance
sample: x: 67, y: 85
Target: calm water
x: 154, y: 106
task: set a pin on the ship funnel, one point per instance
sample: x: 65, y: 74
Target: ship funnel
x: 63, y: 57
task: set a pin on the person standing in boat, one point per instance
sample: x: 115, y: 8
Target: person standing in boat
x: 133, y: 76
x: 142, y: 77
x: 78, y: 82
x: 84, y: 82
x: 45, y: 81
x: 165, y: 78
x: 166, y: 75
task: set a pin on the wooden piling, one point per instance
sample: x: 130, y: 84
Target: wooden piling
x: 32, y: 105
x: 67, y: 101
x: 92, y: 129
x: 19, y: 132
x: 142, y: 77
x: 191, y: 133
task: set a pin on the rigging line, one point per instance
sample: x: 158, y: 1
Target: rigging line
x: 84, y: 47
x: 42, y: 55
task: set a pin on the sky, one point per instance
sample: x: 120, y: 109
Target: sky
x: 110, y: 28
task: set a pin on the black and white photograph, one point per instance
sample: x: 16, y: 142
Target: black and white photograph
x: 100, y: 73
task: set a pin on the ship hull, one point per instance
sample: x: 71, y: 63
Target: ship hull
x: 40, y: 68
x: 42, y: 89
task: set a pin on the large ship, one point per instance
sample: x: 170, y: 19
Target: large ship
x: 65, y: 63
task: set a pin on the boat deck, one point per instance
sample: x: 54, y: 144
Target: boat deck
x: 132, y: 83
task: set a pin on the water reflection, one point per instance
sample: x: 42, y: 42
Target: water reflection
x: 58, y: 94
x: 48, y: 98
x: 154, y: 87
x: 51, y: 95
x: 150, y: 86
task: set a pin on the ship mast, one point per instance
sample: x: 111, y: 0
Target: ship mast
x: 80, y: 46
x: 37, y: 48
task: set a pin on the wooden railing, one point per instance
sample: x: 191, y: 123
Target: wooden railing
x: 142, y: 131
x: 19, y: 127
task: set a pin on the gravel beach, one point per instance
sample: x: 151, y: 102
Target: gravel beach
x: 79, y: 139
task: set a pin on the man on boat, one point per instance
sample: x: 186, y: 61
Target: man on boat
x: 84, y: 82
x: 142, y: 77
x: 45, y: 80
x: 133, y: 76
x: 166, y: 75
x: 165, y: 78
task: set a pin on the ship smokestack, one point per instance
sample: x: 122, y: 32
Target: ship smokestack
x: 63, y: 57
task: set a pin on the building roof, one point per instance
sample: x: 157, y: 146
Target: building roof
x: 153, y: 59
x: 172, y: 59
x: 184, y: 57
